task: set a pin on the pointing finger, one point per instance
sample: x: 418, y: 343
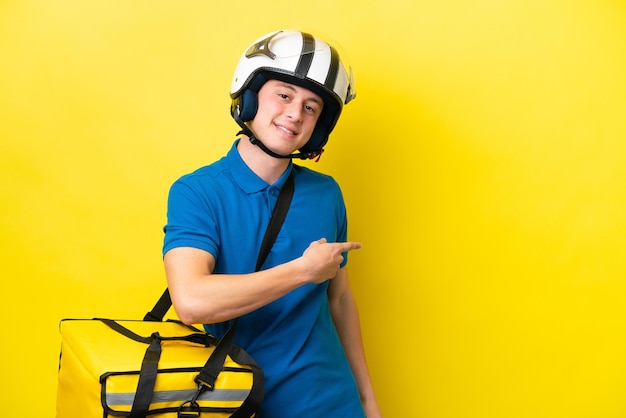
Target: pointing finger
x: 348, y: 246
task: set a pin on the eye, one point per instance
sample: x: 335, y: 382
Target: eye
x: 313, y: 108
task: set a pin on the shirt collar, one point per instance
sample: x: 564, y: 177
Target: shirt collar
x: 246, y: 178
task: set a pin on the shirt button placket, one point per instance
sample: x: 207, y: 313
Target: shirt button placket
x: 272, y: 197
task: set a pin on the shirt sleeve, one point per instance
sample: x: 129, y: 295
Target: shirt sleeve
x: 191, y: 222
x: 342, y: 223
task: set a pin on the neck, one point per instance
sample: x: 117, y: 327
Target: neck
x: 265, y: 166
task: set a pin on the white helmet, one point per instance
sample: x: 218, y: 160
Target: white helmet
x: 297, y: 58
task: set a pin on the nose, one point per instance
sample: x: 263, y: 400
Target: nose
x: 294, y: 111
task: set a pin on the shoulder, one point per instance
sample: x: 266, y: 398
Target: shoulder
x: 203, y: 174
x: 320, y: 191
x: 201, y: 188
x: 312, y: 178
x: 204, y: 177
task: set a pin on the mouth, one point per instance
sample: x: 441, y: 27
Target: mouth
x: 286, y: 130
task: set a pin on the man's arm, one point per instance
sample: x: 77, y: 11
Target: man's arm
x: 346, y: 318
x: 201, y: 297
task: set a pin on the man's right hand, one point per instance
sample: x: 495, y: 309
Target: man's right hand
x: 322, y: 260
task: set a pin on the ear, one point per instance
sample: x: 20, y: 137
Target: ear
x: 249, y: 104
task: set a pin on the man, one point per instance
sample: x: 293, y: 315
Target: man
x: 296, y: 316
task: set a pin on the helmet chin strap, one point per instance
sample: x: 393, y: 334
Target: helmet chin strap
x: 256, y: 141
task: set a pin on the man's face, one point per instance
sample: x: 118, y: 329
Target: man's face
x: 286, y: 116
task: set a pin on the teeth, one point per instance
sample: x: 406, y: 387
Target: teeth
x: 286, y: 130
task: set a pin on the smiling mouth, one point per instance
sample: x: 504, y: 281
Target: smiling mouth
x: 286, y: 130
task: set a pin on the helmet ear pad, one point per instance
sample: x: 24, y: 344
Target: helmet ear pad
x: 324, y: 126
x: 248, y: 105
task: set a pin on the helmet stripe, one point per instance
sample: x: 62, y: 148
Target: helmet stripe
x: 331, y: 77
x: 306, y: 55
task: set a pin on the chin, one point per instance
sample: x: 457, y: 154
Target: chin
x: 282, y: 149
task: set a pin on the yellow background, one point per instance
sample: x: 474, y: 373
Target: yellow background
x: 483, y: 164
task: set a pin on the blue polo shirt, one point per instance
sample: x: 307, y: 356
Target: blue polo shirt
x: 224, y: 209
